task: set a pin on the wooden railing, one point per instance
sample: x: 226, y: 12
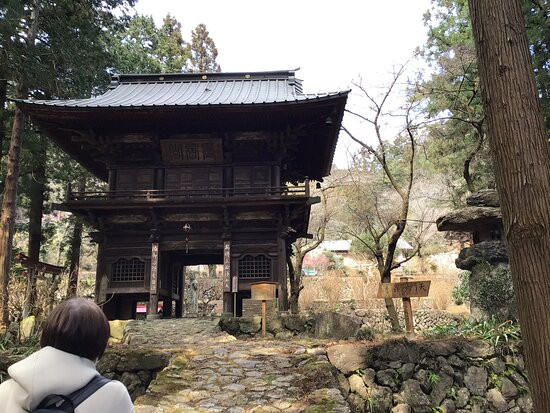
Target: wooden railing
x: 301, y: 190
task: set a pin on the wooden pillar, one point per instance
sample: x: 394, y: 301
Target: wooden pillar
x: 282, y: 273
x: 276, y: 176
x: 154, y: 282
x: 100, y: 267
x: 112, y: 179
x: 167, y: 307
x: 180, y: 271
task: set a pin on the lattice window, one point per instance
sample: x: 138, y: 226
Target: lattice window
x: 258, y: 266
x: 124, y: 270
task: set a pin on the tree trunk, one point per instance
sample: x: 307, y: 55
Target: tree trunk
x: 522, y: 169
x: 7, y: 218
x: 74, y: 252
x: 37, y: 188
x: 295, y: 277
x: 3, y: 98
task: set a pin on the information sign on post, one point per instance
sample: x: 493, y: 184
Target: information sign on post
x: 405, y: 290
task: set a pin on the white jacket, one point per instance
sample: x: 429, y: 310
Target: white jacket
x: 52, y: 371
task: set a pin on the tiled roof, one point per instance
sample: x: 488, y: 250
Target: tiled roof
x: 196, y: 89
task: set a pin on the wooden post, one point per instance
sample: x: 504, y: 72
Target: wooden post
x: 407, y: 309
x: 405, y: 290
x: 264, y: 321
x: 282, y: 278
x: 152, y: 312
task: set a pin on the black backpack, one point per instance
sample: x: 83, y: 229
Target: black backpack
x: 56, y: 403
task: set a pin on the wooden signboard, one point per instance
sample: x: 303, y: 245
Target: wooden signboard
x: 227, y: 266
x: 191, y: 151
x: 154, y: 267
x: 404, y: 289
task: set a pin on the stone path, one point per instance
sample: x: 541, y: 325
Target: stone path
x: 211, y: 371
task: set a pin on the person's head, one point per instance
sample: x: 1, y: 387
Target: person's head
x: 77, y: 326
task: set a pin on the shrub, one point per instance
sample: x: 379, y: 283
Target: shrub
x: 365, y: 333
x: 461, y: 291
x: 494, y: 290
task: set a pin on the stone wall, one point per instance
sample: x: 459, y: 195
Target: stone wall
x: 330, y: 324
x: 134, y: 368
x: 423, y: 319
x: 446, y: 376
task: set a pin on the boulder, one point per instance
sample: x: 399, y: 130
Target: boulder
x: 462, y: 397
x: 475, y: 380
x: 382, y: 399
x: 401, y: 408
x: 448, y: 406
x: 440, y: 389
x: 413, y: 395
x: 230, y: 325
x: 295, y: 322
x: 336, y: 325
x: 117, y: 330
x: 496, y: 400
x: 387, y: 378
x: 27, y: 327
x: 356, y: 403
x: 508, y: 389
x: 356, y: 385
x: 343, y: 384
x: 250, y: 324
x: 349, y: 357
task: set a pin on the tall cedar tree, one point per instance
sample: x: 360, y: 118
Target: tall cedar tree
x: 49, y: 49
x: 202, y: 51
x: 521, y: 155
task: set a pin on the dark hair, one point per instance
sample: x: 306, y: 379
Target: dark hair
x: 77, y: 326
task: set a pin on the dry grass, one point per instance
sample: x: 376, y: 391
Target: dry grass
x: 440, y: 301
x: 336, y: 286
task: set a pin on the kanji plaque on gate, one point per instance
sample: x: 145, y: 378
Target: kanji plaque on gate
x: 404, y: 289
x: 227, y: 266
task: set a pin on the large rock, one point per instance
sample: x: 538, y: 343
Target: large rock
x: 117, y: 330
x: 469, y: 219
x: 295, y: 322
x: 382, y: 399
x: 336, y: 325
x: 250, y: 324
x: 349, y: 357
x: 496, y: 400
x: 401, y: 408
x: 492, y: 252
x: 485, y: 197
x: 475, y: 380
x: 132, y: 360
x: 440, y: 389
x: 413, y: 395
x: 356, y: 385
x: 27, y: 327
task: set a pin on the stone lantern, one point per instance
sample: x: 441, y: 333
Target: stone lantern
x: 486, y: 259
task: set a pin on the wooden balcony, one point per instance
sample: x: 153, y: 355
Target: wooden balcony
x: 201, y: 195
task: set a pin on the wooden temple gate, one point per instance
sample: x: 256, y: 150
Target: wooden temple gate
x: 209, y: 168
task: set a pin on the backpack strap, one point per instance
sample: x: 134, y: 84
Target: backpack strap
x: 93, y: 385
x: 60, y: 402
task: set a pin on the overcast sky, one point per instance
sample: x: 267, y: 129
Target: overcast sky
x: 332, y: 42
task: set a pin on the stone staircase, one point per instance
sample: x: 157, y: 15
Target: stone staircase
x: 212, y: 371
